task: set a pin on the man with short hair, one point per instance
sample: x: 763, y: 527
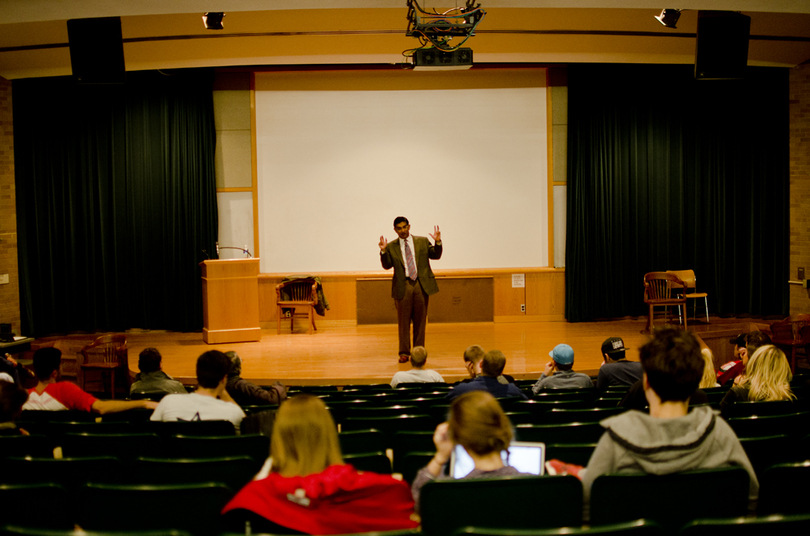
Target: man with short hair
x: 246, y: 393
x: 490, y: 379
x: 616, y: 370
x: 559, y: 372
x: 472, y: 360
x: 418, y: 372
x: 151, y: 379
x: 52, y: 394
x: 210, y: 402
x: 671, y: 439
x: 413, y: 282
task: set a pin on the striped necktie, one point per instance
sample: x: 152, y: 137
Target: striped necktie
x: 409, y: 260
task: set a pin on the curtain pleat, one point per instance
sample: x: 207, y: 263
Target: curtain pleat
x: 116, y: 201
x: 669, y: 173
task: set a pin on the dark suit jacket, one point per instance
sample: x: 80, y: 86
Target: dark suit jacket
x: 392, y: 258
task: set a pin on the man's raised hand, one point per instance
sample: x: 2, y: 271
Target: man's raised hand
x: 383, y: 243
x: 437, y: 234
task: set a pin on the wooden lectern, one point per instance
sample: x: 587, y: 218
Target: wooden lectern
x: 230, y: 300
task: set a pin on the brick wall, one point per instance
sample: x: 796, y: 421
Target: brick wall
x: 10, y: 293
x: 799, y: 184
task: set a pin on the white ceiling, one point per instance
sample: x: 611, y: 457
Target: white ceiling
x: 163, y: 35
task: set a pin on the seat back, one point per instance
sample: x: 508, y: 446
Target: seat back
x: 192, y: 507
x: 777, y: 489
x: 299, y: 290
x: 255, y: 446
x: 26, y: 504
x: 749, y: 526
x: 108, y: 349
x: 639, y: 527
x: 575, y: 432
x: 513, y: 503
x: 704, y: 493
x: 232, y: 471
x: 126, y: 447
x: 687, y: 276
x: 375, y: 461
x: 658, y: 286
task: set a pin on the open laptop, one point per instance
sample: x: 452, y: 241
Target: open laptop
x: 526, y: 457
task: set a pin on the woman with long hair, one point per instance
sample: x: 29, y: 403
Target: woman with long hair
x: 767, y: 378
x: 477, y: 423
x: 309, y: 489
x: 709, y: 378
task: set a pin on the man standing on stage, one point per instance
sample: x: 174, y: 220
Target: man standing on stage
x: 413, y: 280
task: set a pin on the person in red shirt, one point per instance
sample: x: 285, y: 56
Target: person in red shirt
x: 51, y: 394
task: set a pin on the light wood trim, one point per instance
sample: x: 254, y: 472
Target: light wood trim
x: 242, y: 189
x: 550, y: 171
x: 254, y: 173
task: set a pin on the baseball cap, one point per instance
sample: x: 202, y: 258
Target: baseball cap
x: 739, y: 340
x: 613, y: 345
x: 562, y: 354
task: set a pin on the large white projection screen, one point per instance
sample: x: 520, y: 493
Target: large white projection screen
x: 341, y: 154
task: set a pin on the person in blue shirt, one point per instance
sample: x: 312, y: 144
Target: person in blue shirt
x: 491, y: 379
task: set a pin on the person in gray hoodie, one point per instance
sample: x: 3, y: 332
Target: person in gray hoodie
x: 671, y: 439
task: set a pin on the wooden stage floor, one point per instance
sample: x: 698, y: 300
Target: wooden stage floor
x: 341, y: 354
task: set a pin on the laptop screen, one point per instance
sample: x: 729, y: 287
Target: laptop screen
x: 526, y: 457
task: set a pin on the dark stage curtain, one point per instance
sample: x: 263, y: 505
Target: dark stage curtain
x: 669, y: 173
x: 116, y: 201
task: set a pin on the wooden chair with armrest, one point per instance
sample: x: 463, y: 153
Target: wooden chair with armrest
x: 105, y: 355
x: 294, y: 295
x: 658, y: 293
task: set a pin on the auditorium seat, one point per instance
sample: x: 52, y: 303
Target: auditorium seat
x: 389, y: 425
x: 510, y: 503
x: 781, y: 489
x: 411, y: 441
x: 561, y: 416
x: 126, y: 447
x: 639, y: 527
x: 576, y: 453
x: 764, y: 452
x: 25, y: 504
x: 355, y: 441
x: 705, y: 493
x: 255, y: 446
x: 770, y: 425
x: 69, y: 473
x: 411, y: 462
x: 380, y: 411
x: 232, y: 471
x: 191, y: 507
x: 540, y: 406
x: 188, y: 428
x: 375, y: 462
x: 19, y: 446
x: 576, y: 432
x: 749, y: 526
x: 763, y: 408
x: 16, y: 530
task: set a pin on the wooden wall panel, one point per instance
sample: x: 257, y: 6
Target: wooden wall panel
x: 544, y: 294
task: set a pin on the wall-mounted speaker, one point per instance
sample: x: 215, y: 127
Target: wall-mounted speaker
x: 96, y: 50
x: 722, y: 45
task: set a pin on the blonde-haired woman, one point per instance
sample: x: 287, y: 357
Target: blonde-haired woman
x: 767, y: 378
x: 477, y: 423
x: 709, y: 378
x: 308, y: 489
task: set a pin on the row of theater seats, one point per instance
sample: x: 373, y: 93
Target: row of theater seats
x: 365, y: 447
x: 511, y: 505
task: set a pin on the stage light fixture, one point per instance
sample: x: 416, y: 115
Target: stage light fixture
x: 669, y: 17
x: 213, y: 20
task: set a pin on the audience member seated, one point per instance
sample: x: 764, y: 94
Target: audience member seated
x: 671, y: 439
x: 745, y: 344
x: 490, y: 379
x: 151, y: 378
x: 210, y: 402
x: 51, y: 394
x: 616, y: 370
x: 12, y: 398
x: 305, y: 487
x: 709, y: 378
x: 246, y: 393
x: 473, y: 356
x: 10, y: 368
x: 418, y: 372
x: 767, y: 377
x: 477, y: 423
x: 559, y: 372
